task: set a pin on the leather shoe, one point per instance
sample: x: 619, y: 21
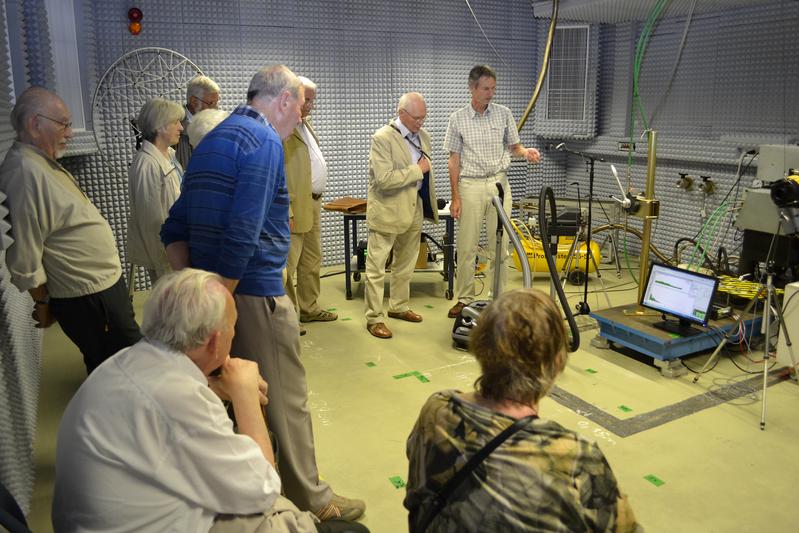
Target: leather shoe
x: 379, y: 330
x: 407, y: 316
x: 456, y: 310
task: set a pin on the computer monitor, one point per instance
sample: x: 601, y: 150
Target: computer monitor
x: 683, y: 294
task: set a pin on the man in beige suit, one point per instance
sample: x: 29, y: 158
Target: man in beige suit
x: 306, y: 177
x: 401, y: 194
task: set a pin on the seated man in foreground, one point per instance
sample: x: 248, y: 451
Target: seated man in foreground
x: 146, y: 444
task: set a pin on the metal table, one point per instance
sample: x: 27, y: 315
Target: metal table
x: 447, y: 267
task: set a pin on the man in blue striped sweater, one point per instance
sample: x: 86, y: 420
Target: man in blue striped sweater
x: 232, y: 218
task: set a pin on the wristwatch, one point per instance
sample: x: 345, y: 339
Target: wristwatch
x: 45, y: 301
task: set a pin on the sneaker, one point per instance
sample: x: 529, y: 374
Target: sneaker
x: 321, y: 316
x: 341, y: 507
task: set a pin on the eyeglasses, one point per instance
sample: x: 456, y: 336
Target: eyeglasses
x: 420, y: 120
x: 209, y: 104
x: 64, y: 125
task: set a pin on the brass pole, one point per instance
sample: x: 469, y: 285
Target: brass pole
x: 649, y: 196
x: 544, y: 66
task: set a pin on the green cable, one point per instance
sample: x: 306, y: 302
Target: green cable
x: 640, y: 48
x: 706, y: 232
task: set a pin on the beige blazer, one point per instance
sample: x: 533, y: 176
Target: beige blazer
x: 392, y: 196
x: 297, y: 161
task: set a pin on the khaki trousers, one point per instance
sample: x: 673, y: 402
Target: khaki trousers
x: 267, y: 332
x: 476, y: 209
x: 303, y: 265
x: 406, y: 251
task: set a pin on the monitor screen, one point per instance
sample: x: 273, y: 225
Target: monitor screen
x: 685, y: 294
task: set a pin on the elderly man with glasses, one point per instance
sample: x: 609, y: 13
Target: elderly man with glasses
x: 201, y: 93
x: 401, y: 194
x: 64, y: 253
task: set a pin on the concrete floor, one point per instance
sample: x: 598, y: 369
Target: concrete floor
x: 720, y: 472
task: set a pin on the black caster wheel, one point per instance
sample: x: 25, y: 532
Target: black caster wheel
x: 577, y: 277
x: 448, y: 294
x: 356, y: 276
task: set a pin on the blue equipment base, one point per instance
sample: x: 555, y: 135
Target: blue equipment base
x: 631, y: 326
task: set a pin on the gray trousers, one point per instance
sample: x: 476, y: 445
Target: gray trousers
x: 283, y: 517
x: 267, y: 332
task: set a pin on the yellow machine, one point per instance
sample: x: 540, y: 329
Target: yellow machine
x: 538, y: 263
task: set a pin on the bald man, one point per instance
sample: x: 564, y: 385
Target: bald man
x: 401, y: 194
x: 64, y: 253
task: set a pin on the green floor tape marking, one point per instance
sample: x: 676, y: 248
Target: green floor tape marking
x: 656, y: 481
x: 405, y: 375
x: 591, y: 370
x: 421, y: 378
x: 397, y: 482
x: 371, y: 364
x: 331, y: 308
x: 346, y: 318
x: 625, y: 408
x: 428, y: 306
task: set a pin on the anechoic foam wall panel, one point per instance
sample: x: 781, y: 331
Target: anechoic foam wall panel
x: 735, y: 87
x: 362, y: 59
x: 20, y: 352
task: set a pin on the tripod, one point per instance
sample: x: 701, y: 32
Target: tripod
x: 579, y: 237
x: 768, y: 289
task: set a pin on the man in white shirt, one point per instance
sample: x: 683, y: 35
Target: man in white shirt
x: 480, y: 140
x: 146, y: 443
x: 306, y: 178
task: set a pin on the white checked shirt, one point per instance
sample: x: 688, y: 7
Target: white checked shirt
x: 481, y: 140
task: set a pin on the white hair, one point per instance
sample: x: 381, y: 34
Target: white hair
x: 199, y: 86
x: 202, y: 123
x: 184, y: 308
x: 406, y: 99
x: 270, y: 81
x: 307, y: 83
x: 155, y: 114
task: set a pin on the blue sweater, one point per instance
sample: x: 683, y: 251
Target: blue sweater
x: 233, y: 210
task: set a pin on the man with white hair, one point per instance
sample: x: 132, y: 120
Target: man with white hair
x: 306, y: 177
x: 232, y: 218
x: 64, y: 252
x: 201, y: 93
x: 202, y: 123
x: 401, y: 194
x: 146, y: 445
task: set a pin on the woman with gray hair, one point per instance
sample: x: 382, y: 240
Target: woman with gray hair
x: 543, y: 477
x: 154, y: 184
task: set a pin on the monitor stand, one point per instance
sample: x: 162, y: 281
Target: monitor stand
x: 681, y: 327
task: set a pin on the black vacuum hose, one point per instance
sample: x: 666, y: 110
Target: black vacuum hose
x: 548, y: 196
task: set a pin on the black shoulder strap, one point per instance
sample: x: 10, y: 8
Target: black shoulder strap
x: 440, y: 499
